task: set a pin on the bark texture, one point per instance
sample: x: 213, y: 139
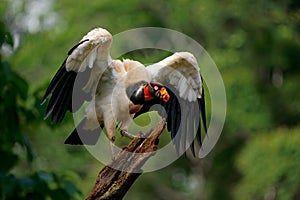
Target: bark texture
x: 112, y: 183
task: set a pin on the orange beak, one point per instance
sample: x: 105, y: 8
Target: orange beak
x: 164, y: 95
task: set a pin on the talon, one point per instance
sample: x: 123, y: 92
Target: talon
x: 125, y: 148
x: 122, y: 133
x: 141, y: 134
x: 125, y: 133
x: 113, y: 139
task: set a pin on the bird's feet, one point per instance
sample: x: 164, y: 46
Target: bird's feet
x: 127, y: 134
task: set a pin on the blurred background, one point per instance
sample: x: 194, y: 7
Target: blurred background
x: 256, y: 46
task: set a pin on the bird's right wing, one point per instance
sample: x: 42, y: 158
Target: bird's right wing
x: 180, y: 74
x: 84, y: 64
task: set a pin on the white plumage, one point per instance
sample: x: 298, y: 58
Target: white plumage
x: 90, y: 74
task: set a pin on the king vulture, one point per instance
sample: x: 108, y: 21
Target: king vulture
x: 118, y: 91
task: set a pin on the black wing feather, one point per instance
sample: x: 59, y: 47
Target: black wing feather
x: 61, y: 90
x: 81, y: 136
x: 198, y: 134
x: 63, y: 99
x: 191, y: 130
x: 58, y: 77
x: 191, y: 126
x: 201, y: 103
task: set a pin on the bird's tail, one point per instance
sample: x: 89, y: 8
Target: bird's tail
x: 81, y: 136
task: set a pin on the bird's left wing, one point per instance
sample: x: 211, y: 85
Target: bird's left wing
x: 181, y: 75
x: 79, y: 66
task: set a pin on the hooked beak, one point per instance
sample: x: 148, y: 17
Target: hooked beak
x: 164, y: 96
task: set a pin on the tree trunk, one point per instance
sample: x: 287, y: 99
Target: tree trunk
x: 112, y: 183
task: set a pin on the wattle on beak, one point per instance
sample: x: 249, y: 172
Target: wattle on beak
x: 161, y: 93
x: 164, y: 96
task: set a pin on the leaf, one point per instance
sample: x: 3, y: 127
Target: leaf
x: 30, y: 154
x: 5, y: 36
x: 70, y: 188
x: 59, y: 194
x: 20, y: 84
x: 8, y: 160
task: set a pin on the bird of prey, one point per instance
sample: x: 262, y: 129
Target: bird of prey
x: 118, y: 91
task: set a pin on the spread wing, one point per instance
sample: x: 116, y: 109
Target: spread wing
x: 181, y: 75
x: 91, y: 51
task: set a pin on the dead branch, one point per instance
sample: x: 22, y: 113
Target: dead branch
x: 112, y: 183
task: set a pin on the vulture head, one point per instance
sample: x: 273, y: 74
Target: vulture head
x: 143, y: 91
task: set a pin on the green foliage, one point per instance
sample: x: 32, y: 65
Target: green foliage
x: 13, y: 89
x: 40, y: 185
x: 256, y: 47
x: 5, y: 36
x: 270, y: 164
x: 13, y: 115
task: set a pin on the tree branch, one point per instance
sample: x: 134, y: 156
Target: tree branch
x: 112, y: 183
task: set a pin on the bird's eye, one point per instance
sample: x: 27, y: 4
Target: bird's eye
x: 157, y: 93
x: 155, y: 87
